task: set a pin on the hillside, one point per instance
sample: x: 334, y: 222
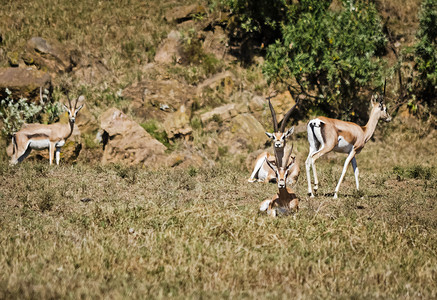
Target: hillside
x: 151, y: 198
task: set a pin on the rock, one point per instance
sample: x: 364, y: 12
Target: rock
x: 86, y: 121
x: 127, y: 142
x: 246, y: 127
x: 178, y: 123
x: 257, y: 103
x: 24, y: 82
x: 219, y: 114
x: 216, y: 43
x: 51, y: 55
x: 223, y: 80
x: 150, y: 97
x: 184, y: 13
x: 282, y: 103
x: 169, y: 51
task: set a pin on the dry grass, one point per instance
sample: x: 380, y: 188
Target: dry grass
x: 197, y: 233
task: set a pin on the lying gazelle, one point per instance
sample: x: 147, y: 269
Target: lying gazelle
x: 41, y: 136
x: 285, y: 201
x: 262, y: 172
x: 326, y: 135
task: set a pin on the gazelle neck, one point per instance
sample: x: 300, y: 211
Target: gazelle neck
x: 279, y: 154
x: 71, y: 124
x: 370, y: 127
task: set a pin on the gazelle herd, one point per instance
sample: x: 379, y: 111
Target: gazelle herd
x: 324, y: 135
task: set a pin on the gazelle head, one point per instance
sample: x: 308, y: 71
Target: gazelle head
x: 282, y: 171
x: 379, y: 108
x: 279, y: 135
x: 73, y: 110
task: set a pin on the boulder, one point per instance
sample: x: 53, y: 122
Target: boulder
x: 178, y: 123
x: 216, y: 43
x: 86, y: 121
x: 219, y: 114
x: 127, y: 142
x: 225, y: 81
x: 181, y: 14
x: 156, y: 99
x: 24, y: 82
x: 169, y: 51
x: 246, y: 127
x: 50, y: 55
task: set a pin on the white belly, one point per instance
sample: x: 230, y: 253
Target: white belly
x: 39, y: 144
x: 343, y: 146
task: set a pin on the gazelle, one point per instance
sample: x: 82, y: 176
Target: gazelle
x: 326, y: 135
x: 285, y: 201
x: 262, y: 172
x: 41, y: 136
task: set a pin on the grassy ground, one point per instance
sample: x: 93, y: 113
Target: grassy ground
x: 123, y: 232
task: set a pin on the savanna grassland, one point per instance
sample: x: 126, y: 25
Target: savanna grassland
x: 86, y: 230
x: 92, y: 231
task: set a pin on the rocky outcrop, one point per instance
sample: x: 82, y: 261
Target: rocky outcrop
x: 24, y: 82
x: 127, y: 142
x: 50, y: 55
x: 177, y: 124
x: 169, y: 51
x: 157, y: 99
x: 181, y: 14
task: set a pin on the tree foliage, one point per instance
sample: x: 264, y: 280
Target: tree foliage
x: 425, y: 52
x: 330, y: 56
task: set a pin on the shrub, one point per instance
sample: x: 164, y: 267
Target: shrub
x: 331, y: 55
x: 15, y: 113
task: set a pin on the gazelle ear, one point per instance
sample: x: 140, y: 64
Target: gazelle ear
x: 65, y: 106
x: 79, y: 108
x: 373, y: 99
x: 289, y: 132
x: 270, y: 135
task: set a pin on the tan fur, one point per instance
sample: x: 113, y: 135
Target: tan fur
x: 331, y: 131
x: 41, y: 136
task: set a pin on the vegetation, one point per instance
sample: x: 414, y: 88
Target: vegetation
x: 86, y: 230
x: 127, y: 232
x: 14, y: 113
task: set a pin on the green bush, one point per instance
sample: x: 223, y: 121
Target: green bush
x: 332, y: 56
x: 425, y: 55
x: 14, y: 113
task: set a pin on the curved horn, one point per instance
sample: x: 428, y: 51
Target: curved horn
x: 287, y: 116
x: 275, y: 121
x: 385, y: 83
x: 69, y: 101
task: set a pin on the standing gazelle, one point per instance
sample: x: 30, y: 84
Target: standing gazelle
x: 261, y: 170
x: 326, y: 135
x: 41, y: 136
x: 285, y: 201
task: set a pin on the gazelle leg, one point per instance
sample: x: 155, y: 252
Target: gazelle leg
x: 356, y: 172
x: 346, y: 163
x: 308, y: 164
x: 58, y: 154
x: 51, y: 152
x: 316, y: 179
x: 256, y: 169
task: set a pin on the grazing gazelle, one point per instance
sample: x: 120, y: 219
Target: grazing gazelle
x: 285, y: 201
x: 41, y: 136
x: 325, y: 135
x: 262, y: 172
